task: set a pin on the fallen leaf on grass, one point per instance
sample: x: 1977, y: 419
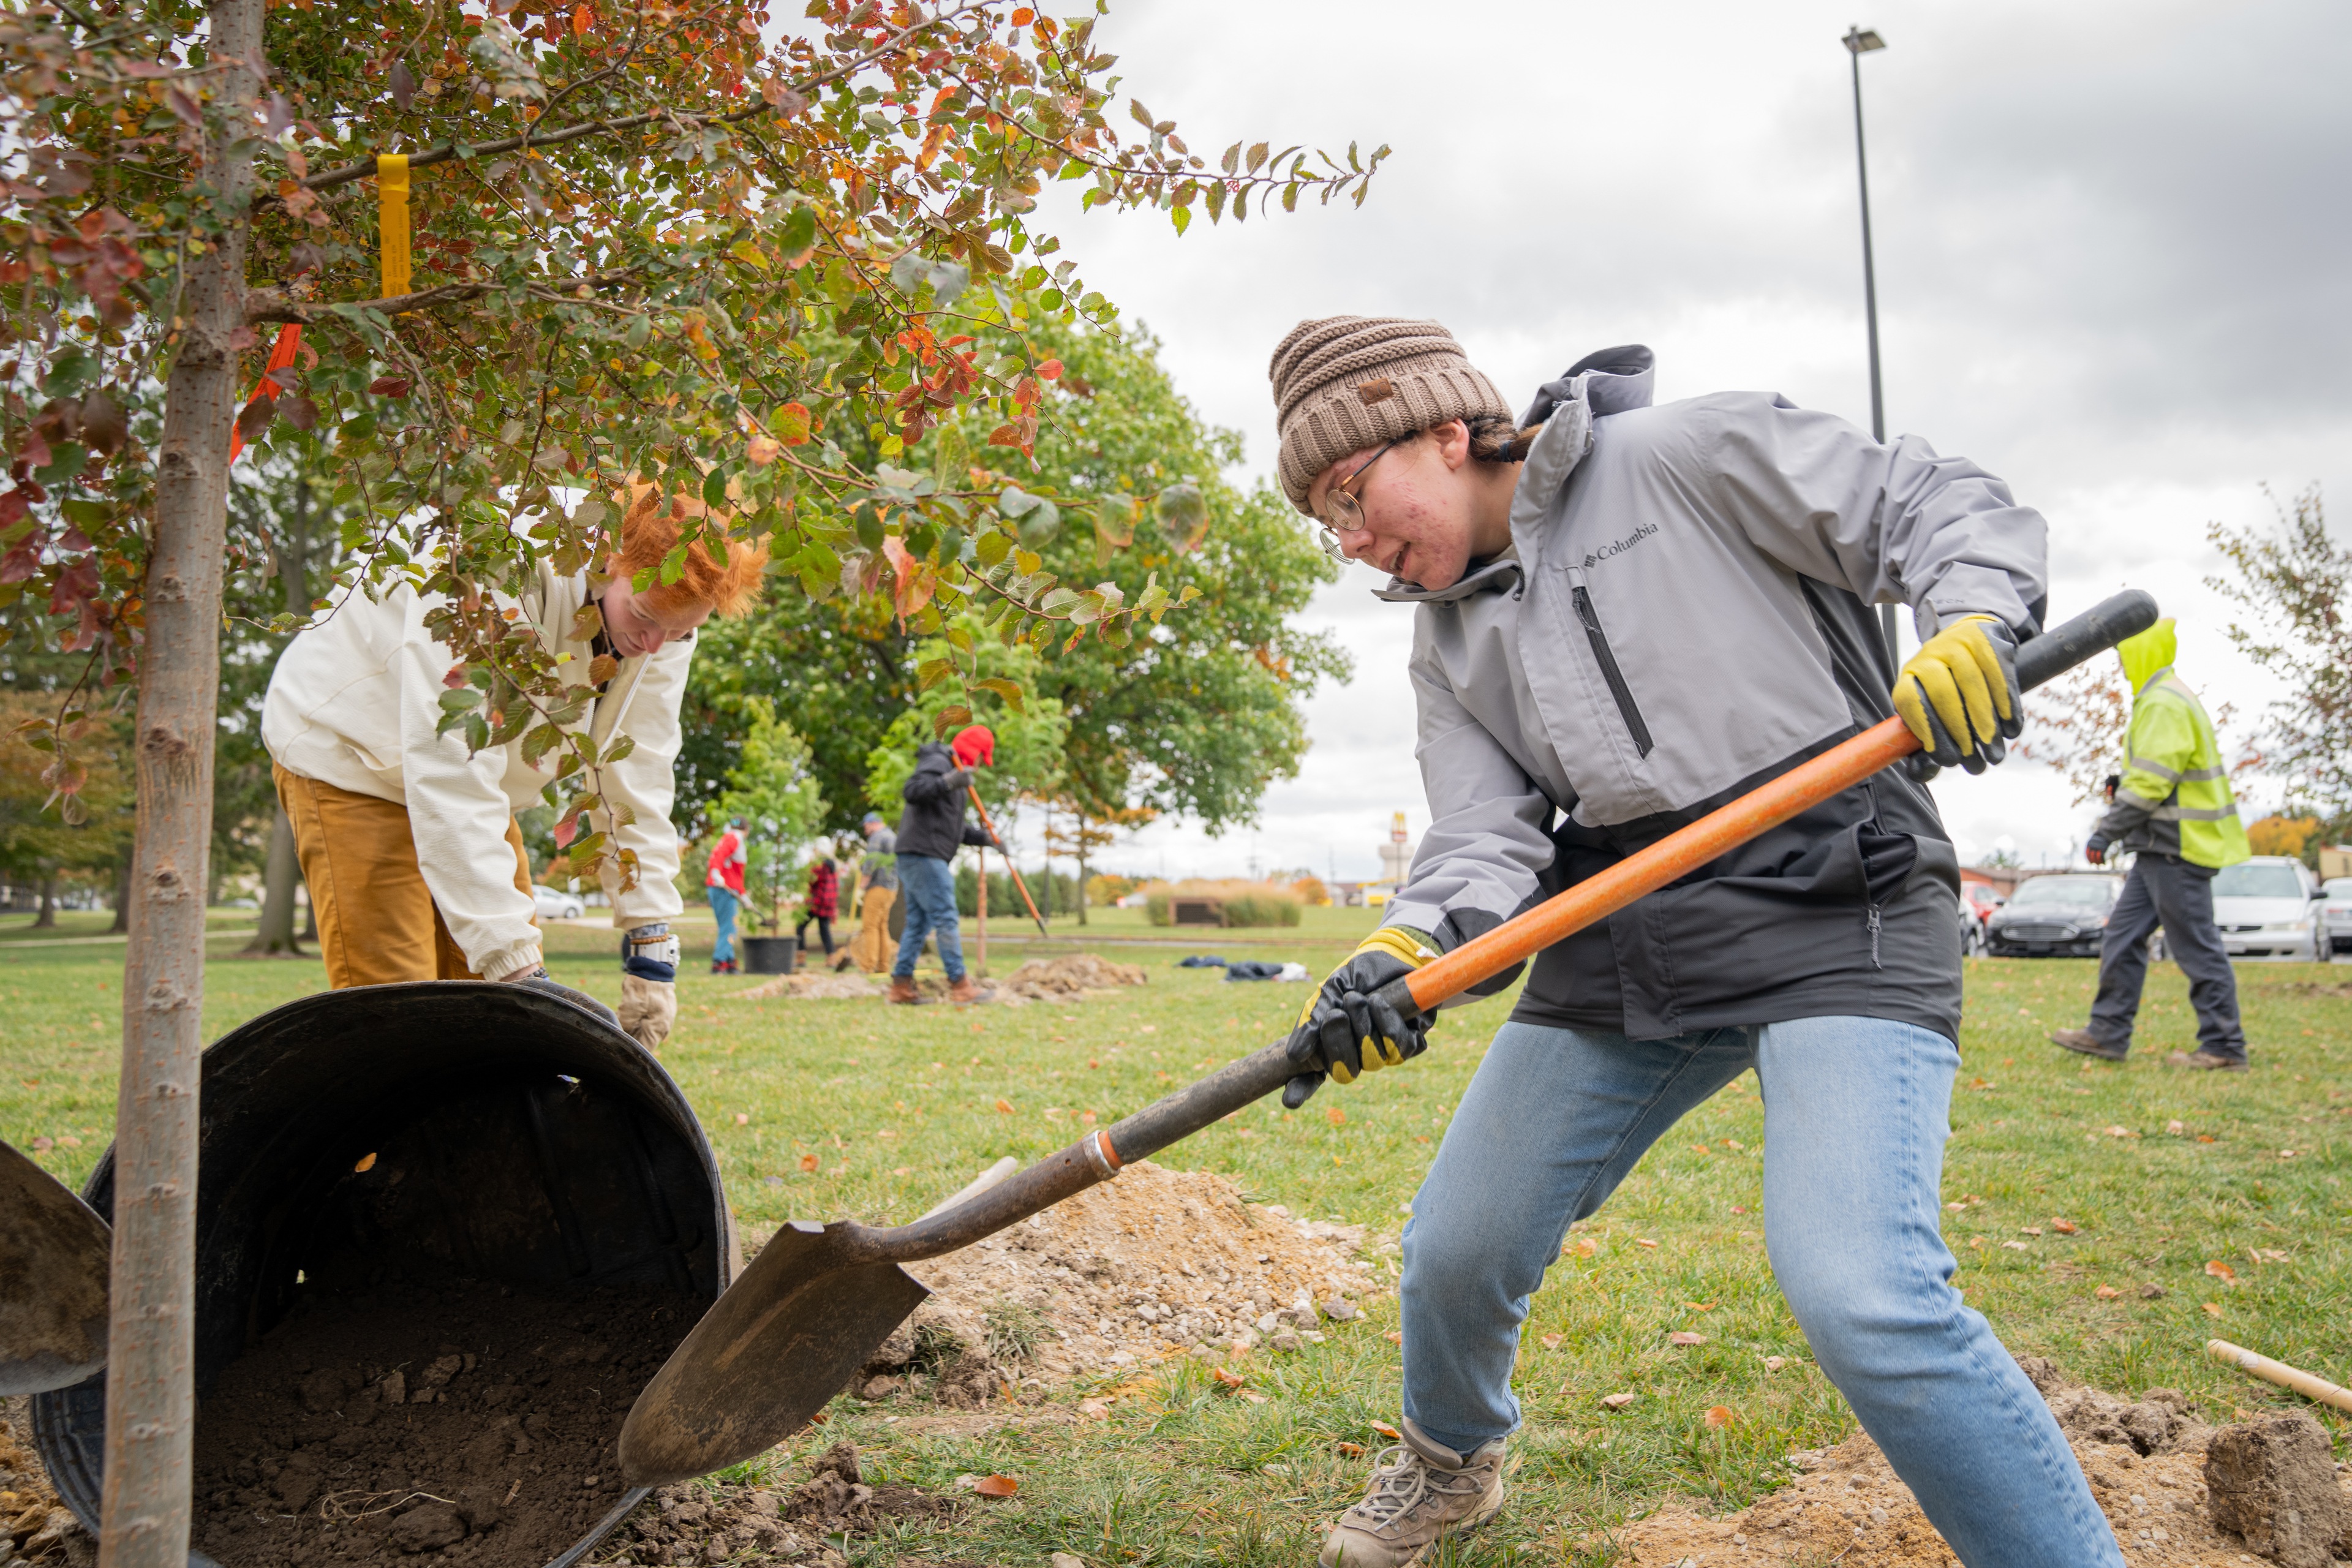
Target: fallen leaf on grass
x: 1251, y: 1394
x: 41, y: 1145
x: 2119, y: 1132
x: 1394, y: 1336
x: 1583, y: 1246
x: 2221, y: 1271
x: 2063, y: 1226
x: 1095, y: 1409
x: 1551, y: 1342
x: 2029, y: 1230
x: 1701, y: 1149
x: 808, y: 1163
x: 1618, y: 1401
x: 1700, y: 1306
x: 1385, y: 1430
x: 741, y: 1120
x: 1351, y: 1450
x: 2268, y: 1255
x: 1685, y: 1337
x: 1644, y: 1241
x: 2205, y: 1138
x: 1227, y: 1376
x: 2107, y: 1292
x: 1006, y: 1106
x: 1336, y: 1117
x: 2213, y: 1309
x: 989, y: 1486
x: 1775, y: 1363
x: 2176, y: 1127
x: 1718, y: 1416
x: 2283, y: 1153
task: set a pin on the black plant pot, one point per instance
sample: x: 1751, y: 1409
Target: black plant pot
x: 540, y: 1147
x: 771, y: 954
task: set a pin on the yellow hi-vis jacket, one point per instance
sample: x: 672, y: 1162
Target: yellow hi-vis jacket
x: 2175, y: 794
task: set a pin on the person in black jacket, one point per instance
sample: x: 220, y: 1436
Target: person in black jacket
x: 929, y: 833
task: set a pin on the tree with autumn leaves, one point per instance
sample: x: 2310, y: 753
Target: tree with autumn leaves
x: 500, y: 264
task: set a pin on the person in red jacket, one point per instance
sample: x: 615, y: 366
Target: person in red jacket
x: 824, y: 903
x: 724, y: 884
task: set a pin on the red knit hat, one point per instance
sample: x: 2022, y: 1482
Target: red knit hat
x: 976, y: 744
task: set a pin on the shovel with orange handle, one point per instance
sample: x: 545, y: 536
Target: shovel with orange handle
x: 1009, y: 866
x: 820, y: 1299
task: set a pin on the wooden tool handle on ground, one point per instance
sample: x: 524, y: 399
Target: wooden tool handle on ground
x: 2278, y: 1371
x: 974, y: 791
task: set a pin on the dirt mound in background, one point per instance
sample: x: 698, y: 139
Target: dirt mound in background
x: 814, y: 985
x: 35, y: 1523
x: 2144, y: 1461
x: 1070, y: 978
x: 1154, y: 1263
x: 467, y: 1418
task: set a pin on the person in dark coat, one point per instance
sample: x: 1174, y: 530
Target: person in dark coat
x: 824, y: 903
x: 929, y: 833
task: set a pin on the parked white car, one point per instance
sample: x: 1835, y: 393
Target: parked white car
x: 554, y: 904
x: 2269, y: 907
x: 2335, y: 913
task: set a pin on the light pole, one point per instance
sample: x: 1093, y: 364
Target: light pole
x: 1860, y: 41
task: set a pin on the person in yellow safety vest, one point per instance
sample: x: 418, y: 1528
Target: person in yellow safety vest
x: 2173, y: 808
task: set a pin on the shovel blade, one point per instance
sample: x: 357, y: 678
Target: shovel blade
x: 55, y: 1256
x: 786, y: 1337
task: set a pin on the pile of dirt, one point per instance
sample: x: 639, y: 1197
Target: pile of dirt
x: 1152, y: 1264
x: 465, y: 1418
x: 814, y: 985
x: 2145, y: 1463
x: 34, y: 1525
x: 715, y: 1522
x: 1067, y: 979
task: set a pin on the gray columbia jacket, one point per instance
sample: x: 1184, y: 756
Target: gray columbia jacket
x: 1684, y: 614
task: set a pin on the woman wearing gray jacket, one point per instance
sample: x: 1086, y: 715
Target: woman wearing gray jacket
x: 1626, y: 616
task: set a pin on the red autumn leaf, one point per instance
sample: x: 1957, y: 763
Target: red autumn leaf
x: 2221, y: 1271
x: 581, y: 18
x: 454, y: 676
x: 2061, y: 1225
x: 1051, y: 369
x: 389, y: 387
x: 1718, y: 1416
x: 996, y: 1486
x: 808, y: 1163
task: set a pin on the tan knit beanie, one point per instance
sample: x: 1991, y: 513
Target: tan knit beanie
x: 1346, y: 383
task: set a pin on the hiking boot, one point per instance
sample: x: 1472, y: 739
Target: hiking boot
x: 2205, y: 1061
x: 903, y: 990
x: 718, y: 967
x: 1420, y: 1492
x: 2090, y: 1045
x: 965, y: 992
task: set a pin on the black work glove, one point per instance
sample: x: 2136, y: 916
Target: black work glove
x: 2095, y: 851
x: 1345, y: 1028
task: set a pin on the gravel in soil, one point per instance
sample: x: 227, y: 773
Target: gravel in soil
x: 35, y: 1526
x: 716, y: 1522
x: 2144, y: 1461
x: 468, y: 1420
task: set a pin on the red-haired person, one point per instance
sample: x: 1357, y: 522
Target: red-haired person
x: 408, y: 840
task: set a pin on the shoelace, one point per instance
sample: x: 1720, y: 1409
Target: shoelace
x: 1398, y: 1486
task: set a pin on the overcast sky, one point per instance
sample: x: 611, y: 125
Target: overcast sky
x: 2111, y: 268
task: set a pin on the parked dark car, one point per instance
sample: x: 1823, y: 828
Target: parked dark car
x: 2060, y: 916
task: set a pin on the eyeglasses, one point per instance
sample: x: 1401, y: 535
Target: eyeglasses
x: 1343, y: 512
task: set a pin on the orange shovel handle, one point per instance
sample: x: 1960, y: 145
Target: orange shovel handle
x: 1761, y: 809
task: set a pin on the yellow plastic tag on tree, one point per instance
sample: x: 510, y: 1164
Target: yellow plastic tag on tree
x: 392, y: 229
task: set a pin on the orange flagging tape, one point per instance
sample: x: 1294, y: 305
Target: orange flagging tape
x: 281, y: 357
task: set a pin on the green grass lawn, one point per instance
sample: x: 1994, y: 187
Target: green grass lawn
x: 2160, y: 1171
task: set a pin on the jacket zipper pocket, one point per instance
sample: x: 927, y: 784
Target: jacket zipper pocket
x: 1615, y: 677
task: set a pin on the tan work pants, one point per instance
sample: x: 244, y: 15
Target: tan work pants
x: 377, y: 922
x: 872, y: 947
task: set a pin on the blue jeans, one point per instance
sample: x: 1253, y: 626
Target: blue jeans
x: 1855, y: 1116
x: 722, y: 904
x: 928, y: 884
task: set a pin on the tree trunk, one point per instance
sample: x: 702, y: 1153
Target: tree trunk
x: 282, y: 873
x: 47, y: 918
x: 1082, y: 867
x: 121, y: 898
x: 151, y: 1348
x: 280, y: 876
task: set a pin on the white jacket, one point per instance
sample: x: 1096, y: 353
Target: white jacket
x: 355, y: 700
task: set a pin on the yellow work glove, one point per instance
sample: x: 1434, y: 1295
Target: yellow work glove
x: 1345, y: 1028
x: 1959, y: 694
